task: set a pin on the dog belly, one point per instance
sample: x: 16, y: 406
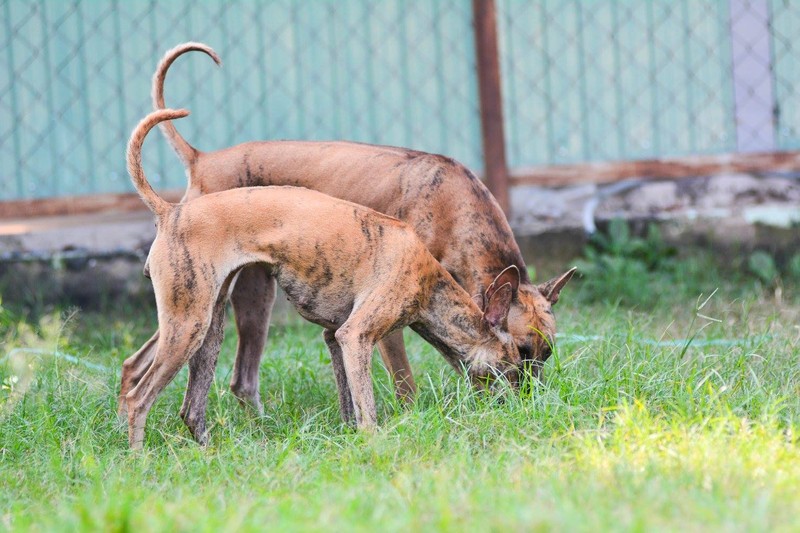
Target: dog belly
x: 317, y: 319
x: 320, y: 305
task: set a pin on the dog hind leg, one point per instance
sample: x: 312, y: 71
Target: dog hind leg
x: 180, y: 337
x: 133, y: 368
x: 252, y: 297
x: 201, y: 375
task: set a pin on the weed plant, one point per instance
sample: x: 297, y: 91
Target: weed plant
x: 670, y: 402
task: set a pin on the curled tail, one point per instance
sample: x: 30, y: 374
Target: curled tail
x: 185, y: 151
x: 153, y: 201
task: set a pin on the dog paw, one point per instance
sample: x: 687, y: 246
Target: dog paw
x: 252, y: 402
x: 202, y: 439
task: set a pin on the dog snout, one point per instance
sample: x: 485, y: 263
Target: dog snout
x: 511, y: 375
x: 532, y: 368
x: 494, y: 378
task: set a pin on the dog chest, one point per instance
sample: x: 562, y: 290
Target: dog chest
x: 326, y: 306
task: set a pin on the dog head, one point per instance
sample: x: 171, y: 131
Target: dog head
x: 485, y: 365
x: 531, y: 321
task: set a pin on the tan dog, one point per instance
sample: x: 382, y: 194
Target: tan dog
x: 451, y: 211
x: 357, y: 273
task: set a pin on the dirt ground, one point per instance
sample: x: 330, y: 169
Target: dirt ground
x: 86, y: 257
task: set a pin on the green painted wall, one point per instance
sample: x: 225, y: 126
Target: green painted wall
x: 785, y: 48
x: 615, y: 79
x: 583, y: 80
x: 75, y: 79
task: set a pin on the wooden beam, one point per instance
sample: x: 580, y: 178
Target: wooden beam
x: 491, y: 99
x: 671, y: 168
x: 74, y: 205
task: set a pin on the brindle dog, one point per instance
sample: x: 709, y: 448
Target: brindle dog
x: 449, y: 208
x: 359, y: 274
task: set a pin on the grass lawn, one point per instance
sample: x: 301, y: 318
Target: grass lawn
x: 630, y: 430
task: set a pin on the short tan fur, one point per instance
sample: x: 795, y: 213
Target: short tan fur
x: 359, y: 274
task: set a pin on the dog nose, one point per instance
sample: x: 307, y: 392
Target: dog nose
x: 508, y: 373
x: 512, y: 376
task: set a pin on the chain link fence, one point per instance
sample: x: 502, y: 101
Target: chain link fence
x: 583, y: 80
x: 615, y: 80
x: 75, y: 79
x: 627, y: 80
x: 784, y: 20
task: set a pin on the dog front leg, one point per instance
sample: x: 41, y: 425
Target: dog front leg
x: 357, y: 358
x: 252, y: 297
x: 393, y: 352
x: 337, y: 362
x: 133, y: 368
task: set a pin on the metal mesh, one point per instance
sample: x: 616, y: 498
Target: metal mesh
x: 626, y: 79
x: 582, y: 80
x: 75, y: 78
x: 616, y: 80
x: 785, y: 21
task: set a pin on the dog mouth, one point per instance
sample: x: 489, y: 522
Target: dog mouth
x: 532, y: 369
x: 534, y: 356
x: 495, y: 378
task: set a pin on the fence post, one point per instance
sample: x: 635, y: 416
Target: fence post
x: 491, y: 99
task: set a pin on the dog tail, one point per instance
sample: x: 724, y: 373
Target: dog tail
x: 186, y: 152
x: 153, y: 201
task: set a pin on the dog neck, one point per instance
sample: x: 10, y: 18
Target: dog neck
x: 452, y: 323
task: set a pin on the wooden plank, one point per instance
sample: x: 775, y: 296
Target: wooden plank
x: 671, y: 168
x: 74, y: 205
x: 491, y: 99
x: 552, y: 176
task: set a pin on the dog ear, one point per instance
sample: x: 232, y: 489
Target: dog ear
x: 479, y: 300
x: 510, y: 276
x: 497, y: 305
x: 552, y: 288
